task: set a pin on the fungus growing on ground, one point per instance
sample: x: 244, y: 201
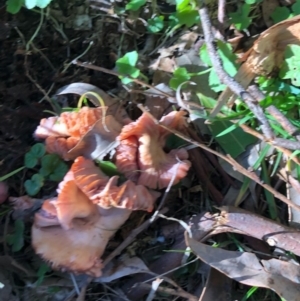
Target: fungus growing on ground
x: 141, y: 157
x: 72, y: 230
x: 79, y: 133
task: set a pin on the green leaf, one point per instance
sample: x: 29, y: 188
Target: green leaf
x: 291, y: 66
x: 228, y: 58
x: 182, y: 4
x: 135, y: 4
x: 241, y: 18
x: 30, y: 160
x: 42, y: 271
x: 204, y: 55
x: 42, y: 3
x: 156, y: 24
x: 60, y: 171
x: 280, y: 13
x: 38, y: 150
x: 214, y: 82
x: 126, y: 66
x: 17, y: 238
x: 14, y: 6
x: 296, y: 8
x: 30, y: 3
x: 34, y: 185
x: 180, y: 76
x: 188, y: 16
x: 233, y: 139
x: 108, y: 168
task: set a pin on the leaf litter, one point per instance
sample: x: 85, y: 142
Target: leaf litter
x: 230, y: 251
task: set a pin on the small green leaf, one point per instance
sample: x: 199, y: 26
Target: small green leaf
x: 60, y: 171
x: 214, y: 82
x: 38, y: 150
x: 49, y: 164
x: 108, y: 168
x: 182, y: 4
x: 296, y: 8
x: 204, y: 55
x: 135, y: 4
x: 234, y: 142
x: 180, y: 76
x: 30, y: 3
x: 42, y: 3
x: 156, y: 24
x: 30, y: 160
x: 280, y: 13
x: 34, y: 185
x: 42, y: 271
x: 126, y: 66
x: 291, y: 66
x: 228, y: 58
x: 14, y: 6
x: 188, y: 16
x: 241, y: 18
x: 17, y: 238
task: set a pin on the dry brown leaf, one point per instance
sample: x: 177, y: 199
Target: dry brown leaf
x: 217, y: 287
x: 114, y: 107
x: 254, y: 225
x: 99, y: 141
x: 267, y: 53
x: 281, y: 277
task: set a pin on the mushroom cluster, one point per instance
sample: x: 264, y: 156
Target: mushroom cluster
x: 71, y: 231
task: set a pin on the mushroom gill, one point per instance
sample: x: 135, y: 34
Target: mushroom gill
x: 147, y: 161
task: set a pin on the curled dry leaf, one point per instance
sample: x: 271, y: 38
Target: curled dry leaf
x: 141, y: 157
x: 72, y: 230
x: 267, y: 53
x: 85, y: 132
x: 254, y: 225
x: 282, y: 277
x: 90, y: 92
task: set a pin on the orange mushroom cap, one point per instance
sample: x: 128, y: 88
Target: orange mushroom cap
x: 155, y: 168
x: 71, y: 231
x: 78, y: 133
x: 106, y: 192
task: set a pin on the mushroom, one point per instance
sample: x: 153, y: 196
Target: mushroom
x: 78, y: 132
x: 72, y: 231
x: 141, y: 157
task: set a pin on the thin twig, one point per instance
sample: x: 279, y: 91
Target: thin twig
x: 135, y: 80
x: 171, y: 291
x: 233, y: 85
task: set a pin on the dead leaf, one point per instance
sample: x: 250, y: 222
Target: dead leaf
x: 98, y: 142
x: 254, y: 225
x: 124, y: 266
x: 267, y: 53
x: 247, y: 269
x: 114, y: 106
x: 217, y: 287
